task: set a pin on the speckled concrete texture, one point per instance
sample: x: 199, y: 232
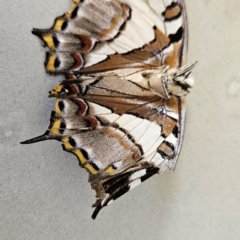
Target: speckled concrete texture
x: 45, y: 195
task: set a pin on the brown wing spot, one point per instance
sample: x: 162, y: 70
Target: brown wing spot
x: 168, y: 127
x: 86, y: 43
x: 116, y: 21
x: 172, y: 59
x: 70, y: 76
x: 82, y: 106
x: 160, y: 42
x: 91, y: 122
x: 127, y: 145
x: 167, y: 149
x: 172, y: 103
x: 172, y: 12
x: 73, y: 89
x: 78, y: 61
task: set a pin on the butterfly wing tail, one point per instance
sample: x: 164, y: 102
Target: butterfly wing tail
x: 117, y: 186
x: 40, y: 138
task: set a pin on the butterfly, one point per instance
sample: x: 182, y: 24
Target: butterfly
x: 121, y: 108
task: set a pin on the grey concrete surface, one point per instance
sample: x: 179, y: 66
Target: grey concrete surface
x: 43, y: 192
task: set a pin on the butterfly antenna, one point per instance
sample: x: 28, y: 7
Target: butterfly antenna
x: 186, y: 69
x: 43, y: 137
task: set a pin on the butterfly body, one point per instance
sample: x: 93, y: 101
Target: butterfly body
x: 121, y: 109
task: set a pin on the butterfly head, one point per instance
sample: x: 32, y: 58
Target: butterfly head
x: 167, y: 82
x: 179, y: 82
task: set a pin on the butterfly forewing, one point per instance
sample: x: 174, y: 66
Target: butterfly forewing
x: 120, y: 130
